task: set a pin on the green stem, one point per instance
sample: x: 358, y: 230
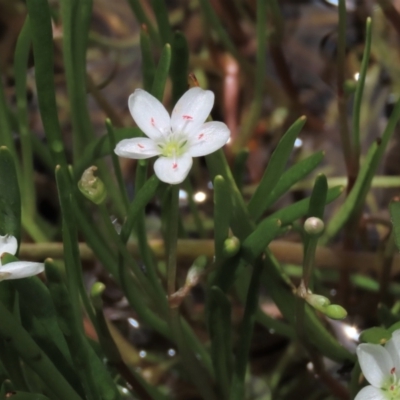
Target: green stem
x: 172, y: 239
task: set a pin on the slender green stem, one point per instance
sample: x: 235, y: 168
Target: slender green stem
x: 117, y: 167
x: 172, y: 239
x: 359, y: 93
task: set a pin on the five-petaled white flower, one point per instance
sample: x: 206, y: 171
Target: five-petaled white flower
x: 175, y: 139
x: 16, y: 269
x: 381, y: 367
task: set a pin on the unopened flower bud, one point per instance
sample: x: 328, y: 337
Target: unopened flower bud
x: 317, y: 301
x: 92, y: 187
x: 231, y: 246
x: 195, y: 271
x: 314, y: 226
x: 335, y: 311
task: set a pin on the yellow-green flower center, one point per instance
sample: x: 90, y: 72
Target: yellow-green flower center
x: 173, y: 146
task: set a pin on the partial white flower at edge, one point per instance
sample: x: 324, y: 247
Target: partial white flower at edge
x: 174, y: 139
x: 381, y: 368
x: 16, y: 269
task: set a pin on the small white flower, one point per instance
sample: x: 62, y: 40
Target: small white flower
x: 16, y: 269
x: 175, y: 139
x: 381, y: 367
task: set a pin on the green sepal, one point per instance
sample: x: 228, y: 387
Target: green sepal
x: 375, y: 335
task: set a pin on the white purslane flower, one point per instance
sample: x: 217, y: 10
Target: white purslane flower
x: 381, y: 367
x: 16, y: 269
x: 174, y: 139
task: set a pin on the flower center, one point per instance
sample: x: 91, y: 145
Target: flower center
x: 392, y: 388
x: 174, y: 145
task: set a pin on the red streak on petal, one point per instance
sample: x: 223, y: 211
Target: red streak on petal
x: 201, y: 136
x: 140, y: 146
x: 174, y: 165
x: 152, y: 122
x: 188, y: 117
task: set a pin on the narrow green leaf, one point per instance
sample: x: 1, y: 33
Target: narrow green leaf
x: 219, y: 326
x: 179, y: 66
x: 360, y: 89
x: 148, y: 65
x: 161, y: 13
x: 239, y: 167
x: 145, y: 194
x: 21, y: 56
x: 43, y: 53
x: 293, y: 175
x: 299, y: 209
x: 142, y: 17
x: 222, y: 211
x: 274, y: 169
x: 10, y: 200
x: 259, y: 239
x: 161, y: 75
x: 318, y: 198
x: 76, y: 16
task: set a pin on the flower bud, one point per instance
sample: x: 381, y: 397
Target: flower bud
x: 335, y: 311
x: 195, y: 271
x: 231, y: 246
x: 317, y: 301
x: 314, y: 226
x: 92, y: 187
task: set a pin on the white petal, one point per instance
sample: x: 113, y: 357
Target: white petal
x: 20, y: 269
x: 137, y: 148
x: 8, y: 244
x: 191, y: 110
x: 375, y: 363
x: 370, y: 393
x: 211, y: 137
x: 393, y: 348
x: 149, y: 114
x: 171, y: 170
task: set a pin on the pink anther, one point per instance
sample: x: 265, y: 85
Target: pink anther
x: 152, y: 122
x: 201, y: 136
x: 140, y: 146
x: 187, y: 117
x: 174, y: 165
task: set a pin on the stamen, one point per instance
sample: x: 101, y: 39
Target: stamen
x: 152, y: 122
x: 201, y: 136
x: 174, y: 165
x: 140, y: 146
x: 393, y: 370
x: 187, y: 117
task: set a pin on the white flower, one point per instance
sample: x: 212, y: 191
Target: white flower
x: 175, y: 139
x: 16, y: 269
x: 381, y: 367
